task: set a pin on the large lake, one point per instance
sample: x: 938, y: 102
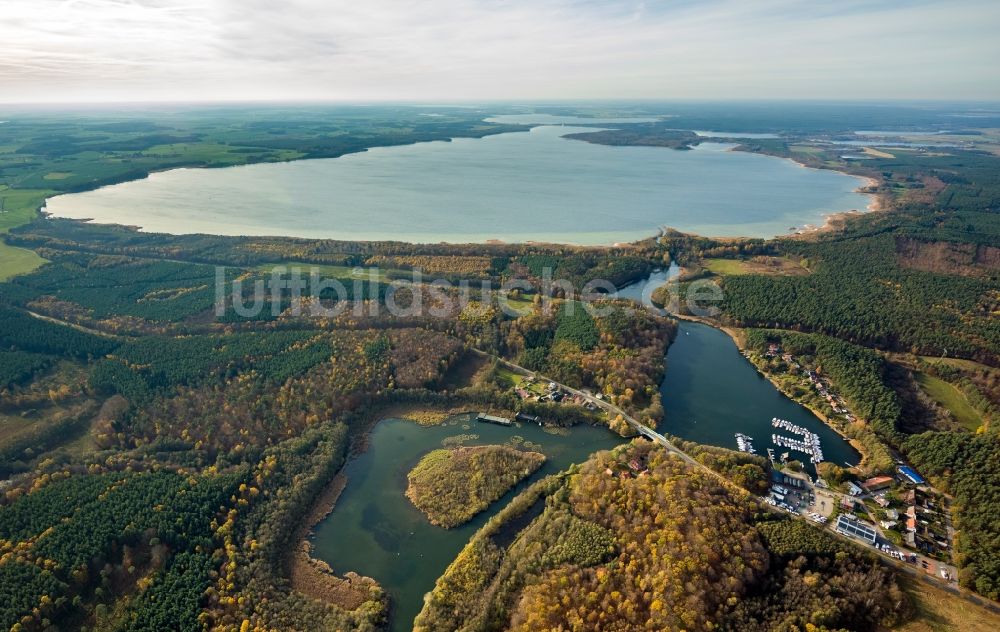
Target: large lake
x: 514, y: 187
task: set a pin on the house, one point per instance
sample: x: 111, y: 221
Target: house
x: 877, y: 483
x: 888, y: 524
x: 892, y: 514
x: 910, y: 474
x: 853, y: 489
x: 850, y: 525
x: 881, y: 500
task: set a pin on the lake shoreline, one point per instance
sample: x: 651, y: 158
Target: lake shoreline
x: 737, y: 336
x: 378, y: 482
x: 313, y: 576
x: 758, y: 224
x: 834, y: 221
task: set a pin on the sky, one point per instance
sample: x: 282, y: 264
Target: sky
x: 478, y: 50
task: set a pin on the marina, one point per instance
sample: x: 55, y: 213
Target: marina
x: 809, y: 443
x: 745, y: 443
x: 704, y: 362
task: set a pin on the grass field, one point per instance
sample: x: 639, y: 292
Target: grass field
x: 520, y: 305
x: 375, y: 275
x: 14, y: 261
x: 941, y: 611
x: 806, y: 149
x: 509, y: 377
x: 19, y: 207
x: 958, y: 363
x: 950, y: 398
x: 871, y: 151
x: 758, y: 265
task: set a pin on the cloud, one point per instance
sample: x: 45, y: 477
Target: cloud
x: 496, y: 49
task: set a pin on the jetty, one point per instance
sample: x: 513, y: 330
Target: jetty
x: 809, y: 443
x: 493, y: 419
x: 745, y: 443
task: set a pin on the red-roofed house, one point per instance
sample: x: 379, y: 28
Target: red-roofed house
x: 877, y: 483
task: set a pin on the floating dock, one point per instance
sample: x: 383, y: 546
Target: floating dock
x: 529, y: 419
x: 492, y: 419
x: 808, y: 444
x: 745, y: 443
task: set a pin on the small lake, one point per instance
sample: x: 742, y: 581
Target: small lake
x: 516, y: 187
x: 376, y: 531
x: 710, y: 392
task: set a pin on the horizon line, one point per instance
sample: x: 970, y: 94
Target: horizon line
x: 471, y: 102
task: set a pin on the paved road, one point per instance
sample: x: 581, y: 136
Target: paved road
x: 613, y: 410
x: 651, y: 434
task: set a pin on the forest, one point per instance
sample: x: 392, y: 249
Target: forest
x: 171, y: 487
x: 169, y: 456
x: 452, y: 485
x: 617, y: 351
x: 858, y: 292
x: 657, y: 547
x: 965, y: 466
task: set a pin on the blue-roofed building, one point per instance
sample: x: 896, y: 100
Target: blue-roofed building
x: 911, y: 475
x: 850, y: 525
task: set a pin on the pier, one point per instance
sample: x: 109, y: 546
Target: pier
x: 808, y: 444
x: 745, y: 443
x: 492, y: 419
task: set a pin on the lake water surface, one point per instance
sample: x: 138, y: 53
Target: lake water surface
x: 516, y: 187
x: 709, y: 393
x: 376, y: 531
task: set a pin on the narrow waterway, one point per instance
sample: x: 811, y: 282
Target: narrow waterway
x: 710, y: 391
x: 376, y: 531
